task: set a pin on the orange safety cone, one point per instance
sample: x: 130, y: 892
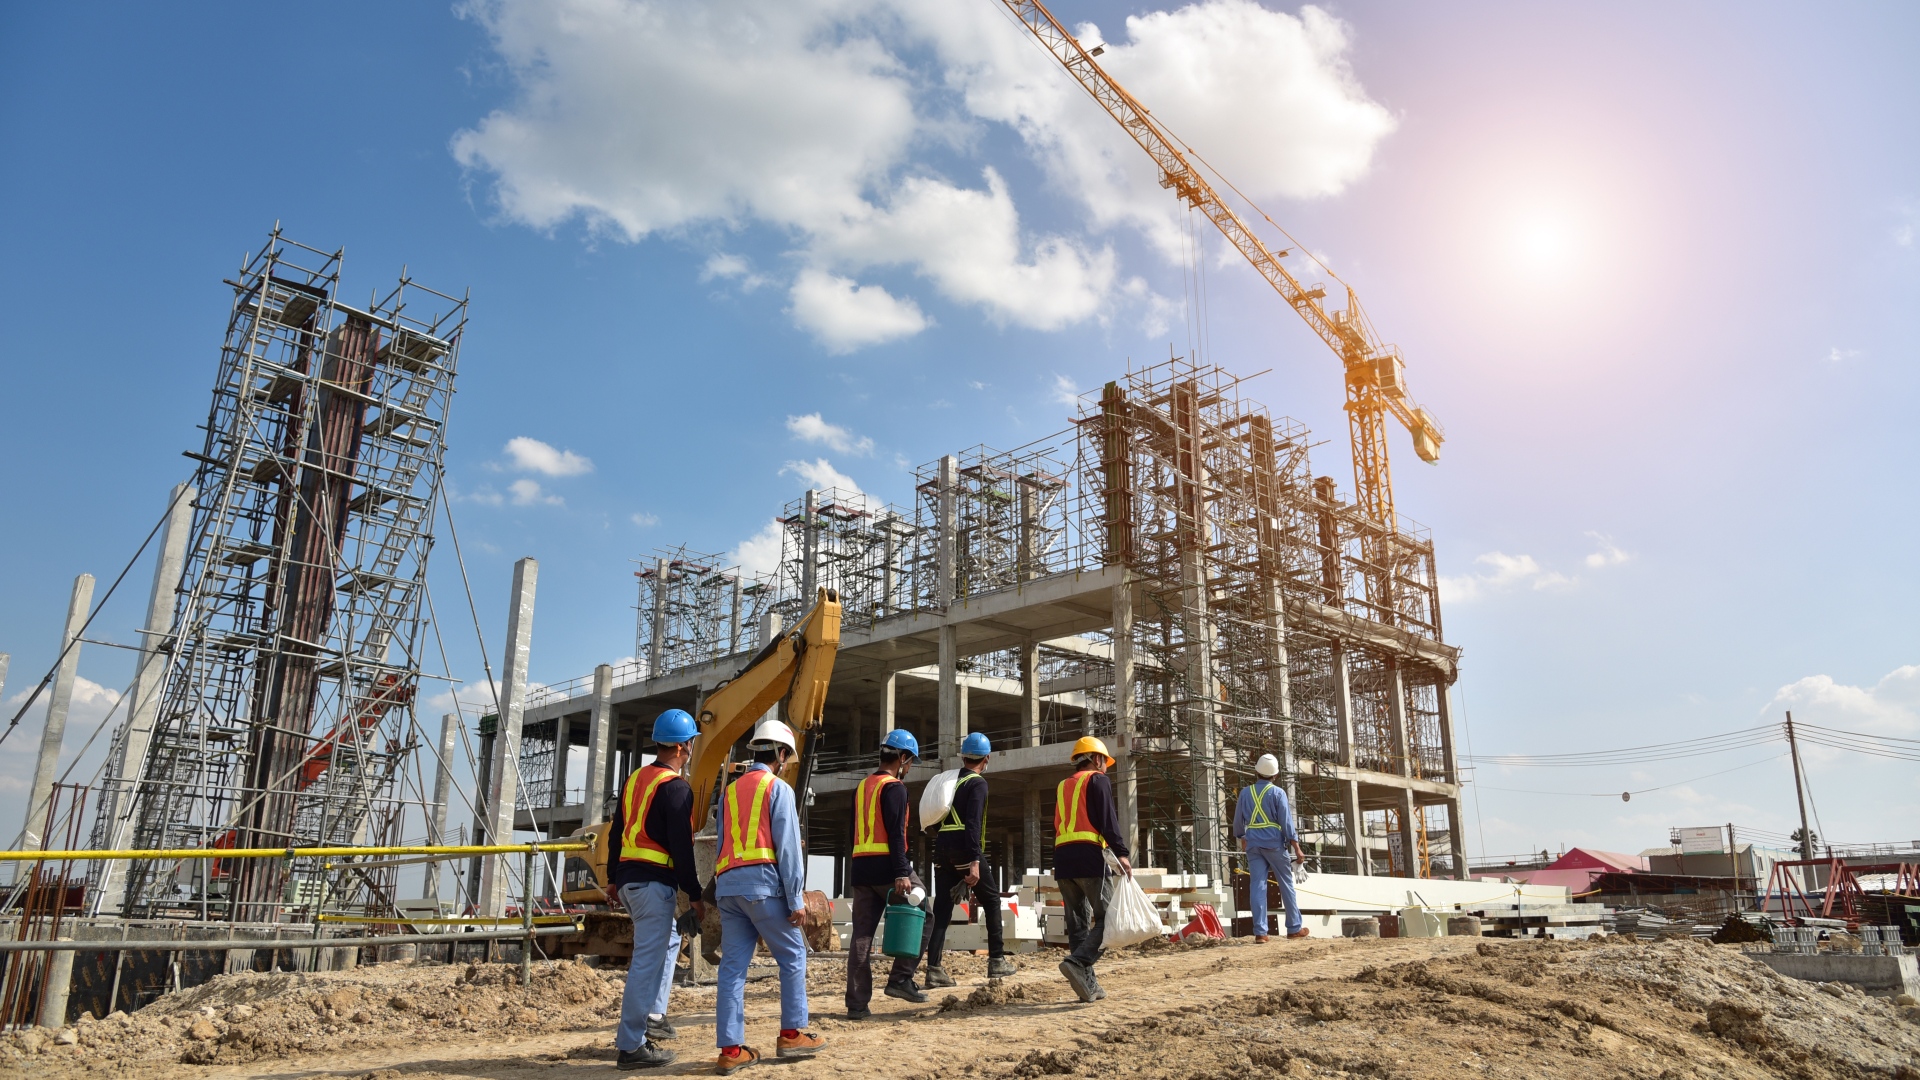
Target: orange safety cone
x: 1206, y: 923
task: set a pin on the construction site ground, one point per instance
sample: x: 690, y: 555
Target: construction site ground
x: 1401, y: 1008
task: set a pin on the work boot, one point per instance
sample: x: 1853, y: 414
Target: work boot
x: 1094, y: 987
x: 906, y: 992
x: 648, y: 1056
x: 937, y: 977
x: 800, y: 1044
x: 660, y: 1029
x: 1079, y: 978
x: 733, y: 1063
x: 1259, y: 939
x: 859, y: 1014
x: 1300, y: 933
x: 1000, y: 967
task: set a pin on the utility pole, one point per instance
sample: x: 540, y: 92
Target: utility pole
x: 1799, y: 792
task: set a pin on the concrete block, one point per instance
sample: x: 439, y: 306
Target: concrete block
x: 1880, y: 976
x: 1363, y: 926
x: 1463, y: 926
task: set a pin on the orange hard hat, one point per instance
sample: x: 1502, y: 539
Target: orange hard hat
x: 1090, y: 745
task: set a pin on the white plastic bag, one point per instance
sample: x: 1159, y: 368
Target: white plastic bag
x: 1131, y: 917
x: 937, y: 798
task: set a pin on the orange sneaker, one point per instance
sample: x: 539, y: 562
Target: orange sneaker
x: 730, y: 1064
x: 802, y: 1044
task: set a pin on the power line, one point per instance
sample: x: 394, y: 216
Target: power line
x: 1634, y: 755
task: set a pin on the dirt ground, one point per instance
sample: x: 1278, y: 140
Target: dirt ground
x: 1418, y: 1009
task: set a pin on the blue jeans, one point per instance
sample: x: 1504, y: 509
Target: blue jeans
x: 744, y: 922
x: 1259, y: 861
x: 656, y: 947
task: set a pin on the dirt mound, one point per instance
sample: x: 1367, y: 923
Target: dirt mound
x: 249, y: 1016
x: 998, y: 992
x: 1671, y: 1010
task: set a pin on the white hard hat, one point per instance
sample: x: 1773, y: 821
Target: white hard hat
x: 771, y: 733
x: 1268, y: 765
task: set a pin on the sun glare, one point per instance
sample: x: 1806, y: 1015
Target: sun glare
x: 1545, y: 243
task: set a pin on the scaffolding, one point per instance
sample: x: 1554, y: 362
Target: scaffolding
x: 286, y: 716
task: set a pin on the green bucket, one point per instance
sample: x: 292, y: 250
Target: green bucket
x: 904, y: 924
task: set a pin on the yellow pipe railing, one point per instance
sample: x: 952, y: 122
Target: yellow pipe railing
x: 292, y: 853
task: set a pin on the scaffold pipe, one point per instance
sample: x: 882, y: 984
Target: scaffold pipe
x: 290, y: 853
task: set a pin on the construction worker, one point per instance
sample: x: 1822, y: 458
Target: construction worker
x: 1085, y: 826
x: 1264, y: 823
x: 958, y: 872
x: 880, y: 872
x: 653, y: 826
x: 759, y: 875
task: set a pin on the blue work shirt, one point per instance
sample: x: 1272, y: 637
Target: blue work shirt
x: 1273, y: 799
x: 785, y: 878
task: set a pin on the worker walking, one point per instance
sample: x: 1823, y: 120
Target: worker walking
x: 1264, y: 822
x: 880, y: 872
x: 653, y: 826
x: 1085, y: 826
x: 759, y: 875
x: 958, y: 867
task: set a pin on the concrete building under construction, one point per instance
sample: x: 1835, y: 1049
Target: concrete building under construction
x: 1167, y: 574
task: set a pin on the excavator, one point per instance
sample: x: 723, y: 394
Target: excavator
x: 793, y: 669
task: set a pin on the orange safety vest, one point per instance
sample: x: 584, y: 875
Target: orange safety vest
x: 869, y: 832
x: 1071, y: 825
x: 635, y: 802
x: 746, y: 838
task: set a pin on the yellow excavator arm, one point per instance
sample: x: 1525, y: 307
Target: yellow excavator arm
x: 794, y: 667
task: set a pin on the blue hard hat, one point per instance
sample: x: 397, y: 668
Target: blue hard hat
x: 675, y: 726
x: 976, y: 745
x: 902, y: 739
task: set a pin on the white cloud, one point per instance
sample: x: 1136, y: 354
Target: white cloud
x: 532, y: 455
x: 1503, y: 572
x: 816, y: 117
x: 1064, y: 392
x: 1889, y: 707
x: 845, y: 316
x: 759, y: 554
x: 528, y: 493
x: 820, y: 474
x: 723, y: 266
x: 1608, y: 554
x: 643, y: 520
x: 812, y: 428
x: 1838, y: 355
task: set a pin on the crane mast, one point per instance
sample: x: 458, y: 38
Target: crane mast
x: 1375, y: 372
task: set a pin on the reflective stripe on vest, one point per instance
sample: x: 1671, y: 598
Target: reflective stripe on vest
x: 869, y: 832
x: 1071, y: 824
x: 748, y: 842
x: 952, y: 822
x: 1260, y: 820
x: 634, y: 841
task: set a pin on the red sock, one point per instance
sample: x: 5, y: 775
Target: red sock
x: 730, y: 1051
x: 790, y: 1033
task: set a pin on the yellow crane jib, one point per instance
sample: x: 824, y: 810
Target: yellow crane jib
x: 1375, y: 372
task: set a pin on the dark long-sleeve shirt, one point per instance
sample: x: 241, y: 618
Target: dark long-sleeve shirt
x: 878, y: 869
x: 1085, y: 860
x: 670, y: 823
x: 958, y: 847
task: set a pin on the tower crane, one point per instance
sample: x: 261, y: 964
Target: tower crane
x: 1375, y: 372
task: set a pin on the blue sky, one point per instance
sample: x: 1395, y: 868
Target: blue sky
x: 1653, y: 267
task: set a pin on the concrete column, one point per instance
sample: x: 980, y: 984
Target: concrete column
x: 733, y: 626
x: 5, y: 660
x: 562, y: 746
x: 1126, y: 778
x: 890, y: 569
x: 1030, y: 692
x: 1409, y: 832
x: 949, y: 701
x: 442, y: 792
x: 1035, y: 833
x: 482, y: 783
x: 887, y: 687
x: 126, y: 765
x: 1403, y: 763
x: 946, y: 532
x: 1349, y: 788
x: 55, y: 730
x: 57, y: 989
x: 657, y: 648
x: 505, y: 769
x: 599, y: 728
x: 1456, y: 821
x: 1456, y: 838
x: 1203, y: 749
